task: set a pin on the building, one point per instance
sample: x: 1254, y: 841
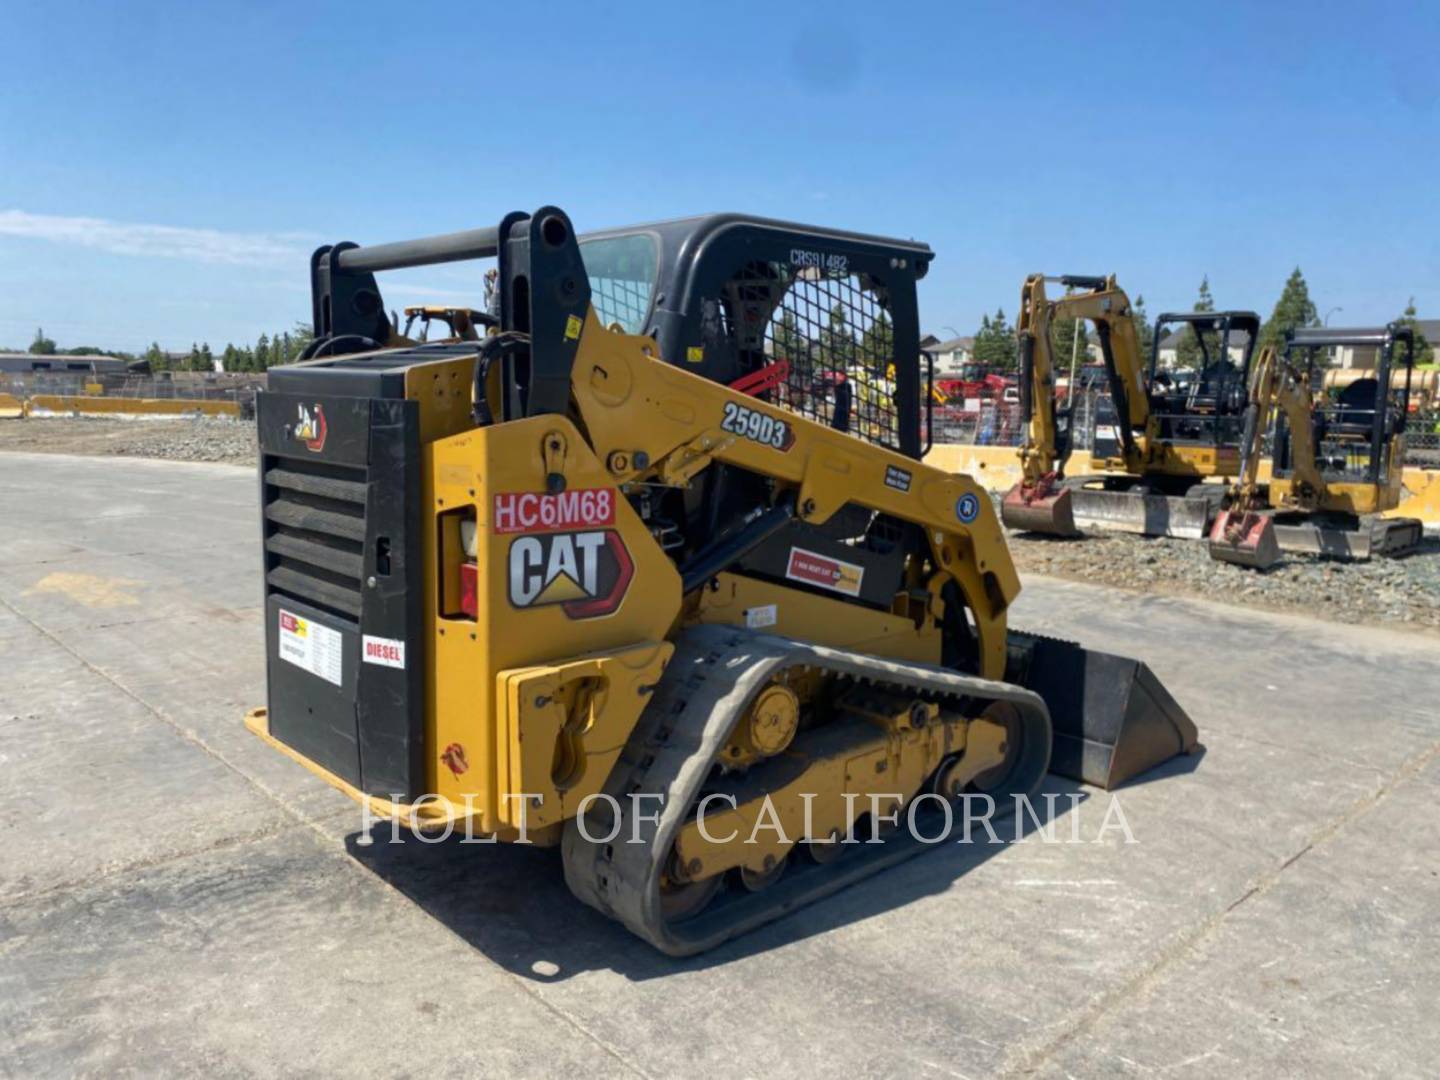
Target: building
x: 1363, y: 356
x: 25, y: 363
x: 1170, y: 346
x: 950, y: 356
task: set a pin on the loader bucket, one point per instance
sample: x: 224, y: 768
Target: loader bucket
x: 1112, y: 718
x: 1245, y: 538
x: 1039, y: 513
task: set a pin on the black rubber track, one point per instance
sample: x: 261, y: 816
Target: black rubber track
x: 710, y: 681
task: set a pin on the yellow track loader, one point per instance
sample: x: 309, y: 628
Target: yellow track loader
x: 1338, y: 456
x: 640, y: 575
x: 1172, y: 438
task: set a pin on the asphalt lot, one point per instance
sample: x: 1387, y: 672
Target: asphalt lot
x: 175, y: 897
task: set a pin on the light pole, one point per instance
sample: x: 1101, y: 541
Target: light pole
x: 1326, y: 321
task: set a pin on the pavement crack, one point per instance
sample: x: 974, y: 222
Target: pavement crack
x: 1188, y: 943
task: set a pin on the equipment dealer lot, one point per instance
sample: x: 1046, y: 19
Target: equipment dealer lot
x: 175, y: 896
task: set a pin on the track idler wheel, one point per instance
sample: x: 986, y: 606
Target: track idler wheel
x: 681, y: 899
x: 1045, y: 507
x: 1245, y: 538
x: 760, y: 880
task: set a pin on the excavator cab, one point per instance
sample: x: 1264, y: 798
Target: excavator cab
x: 1329, y: 501
x: 1337, y: 452
x: 1206, y: 407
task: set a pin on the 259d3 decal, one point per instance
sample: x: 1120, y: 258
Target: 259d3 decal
x: 757, y: 426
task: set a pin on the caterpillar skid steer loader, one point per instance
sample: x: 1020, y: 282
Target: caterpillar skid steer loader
x: 1337, y: 462
x: 1171, y: 439
x: 641, y: 569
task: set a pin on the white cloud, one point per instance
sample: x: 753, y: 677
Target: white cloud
x: 158, y: 241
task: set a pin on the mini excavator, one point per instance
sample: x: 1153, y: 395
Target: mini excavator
x: 1172, y: 440
x: 638, y: 551
x: 1338, y: 457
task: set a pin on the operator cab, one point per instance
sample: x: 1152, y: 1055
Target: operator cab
x: 1353, y: 425
x: 822, y: 322
x: 1203, y: 404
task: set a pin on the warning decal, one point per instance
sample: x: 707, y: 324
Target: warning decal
x: 310, y: 646
x: 813, y: 568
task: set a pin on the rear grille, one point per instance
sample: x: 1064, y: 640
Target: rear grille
x: 315, y: 533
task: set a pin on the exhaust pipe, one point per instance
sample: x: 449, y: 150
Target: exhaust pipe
x: 1113, y: 719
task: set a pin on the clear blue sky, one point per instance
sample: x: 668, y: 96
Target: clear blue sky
x: 165, y: 168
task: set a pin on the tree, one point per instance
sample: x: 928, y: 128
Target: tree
x: 1144, y: 332
x: 1294, y: 309
x: 877, y: 344
x: 995, y: 345
x: 262, y: 353
x: 837, y: 344
x: 205, y: 361
x: 1424, y: 350
x: 42, y: 345
x: 192, y: 361
x: 1190, y: 353
x: 1064, y: 342
x: 302, y: 334
x: 156, y: 358
x: 230, y: 358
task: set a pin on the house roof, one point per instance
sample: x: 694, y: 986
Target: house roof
x: 1172, y: 340
x: 952, y: 345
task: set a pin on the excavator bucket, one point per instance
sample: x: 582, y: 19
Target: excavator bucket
x: 1245, y: 538
x: 1052, y: 513
x: 1113, y: 719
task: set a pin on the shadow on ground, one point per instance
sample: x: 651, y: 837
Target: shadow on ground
x: 511, y: 903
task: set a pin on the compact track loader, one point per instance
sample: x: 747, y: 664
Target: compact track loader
x: 654, y: 561
x: 1338, y: 457
x: 1172, y: 439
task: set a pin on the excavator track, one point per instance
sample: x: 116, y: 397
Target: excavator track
x: 714, y: 675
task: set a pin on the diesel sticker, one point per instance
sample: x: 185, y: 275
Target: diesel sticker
x: 586, y: 573
x: 310, y: 427
x: 387, y: 652
x: 310, y: 646
x: 757, y: 426
x: 529, y: 511
x: 897, y: 478
x: 813, y: 568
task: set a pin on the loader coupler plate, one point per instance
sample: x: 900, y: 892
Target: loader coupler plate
x: 1146, y: 514
x: 1245, y: 539
x: 1113, y: 719
x: 1050, y: 514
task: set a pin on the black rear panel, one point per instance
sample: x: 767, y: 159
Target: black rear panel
x: 340, y: 492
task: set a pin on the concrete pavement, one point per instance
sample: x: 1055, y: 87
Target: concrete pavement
x: 176, y: 897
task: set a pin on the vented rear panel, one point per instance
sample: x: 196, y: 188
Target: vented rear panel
x: 340, y: 504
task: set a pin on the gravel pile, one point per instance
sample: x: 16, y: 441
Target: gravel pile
x: 182, y: 439
x: 1404, y: 591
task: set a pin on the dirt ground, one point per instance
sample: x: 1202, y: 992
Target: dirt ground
x: 1402, y: 591
x: 181, y: 439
